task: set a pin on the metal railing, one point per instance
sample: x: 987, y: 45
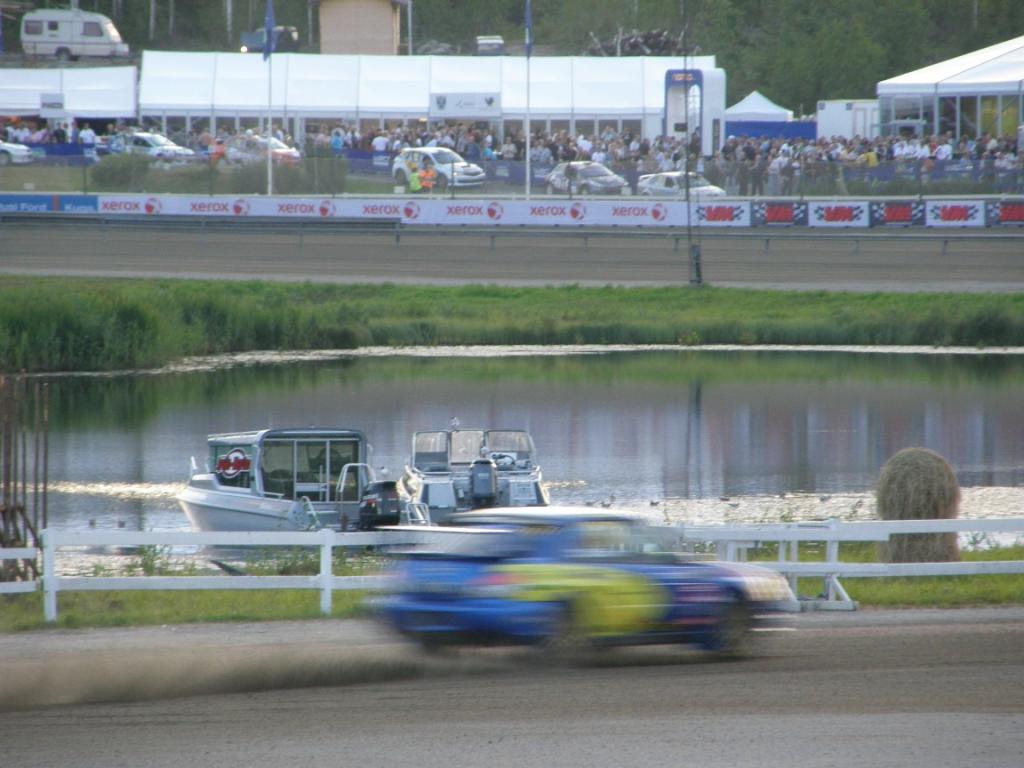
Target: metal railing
x: 732, y: 543
x: 64, y: 168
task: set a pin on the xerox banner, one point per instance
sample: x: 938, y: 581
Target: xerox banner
x: 955, y: 213
x: 897, y: 213
x: 838, y: 214
x: 779, y: 213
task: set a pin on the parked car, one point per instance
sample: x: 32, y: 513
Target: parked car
x: 569, y: 578
x: 452, y: 169
x: 287, y: 40
x: 673, y: 184
x: 68, y: 34
x: 583, y: 177
x: 158, y: 147
x: 14, y: 153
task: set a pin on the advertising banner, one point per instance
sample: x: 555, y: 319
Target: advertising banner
x: 1005, y: 213
x: 955, y: 213
x: 779, y: 213
x: 897, y: 213
x: 29, y: 203
x: 835, y: 214
x: 722, y: 214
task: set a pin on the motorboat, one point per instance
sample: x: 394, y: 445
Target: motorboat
x: 279, y: 480
x: 455, y: 470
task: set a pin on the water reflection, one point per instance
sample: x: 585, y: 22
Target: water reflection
x: 640, y: 427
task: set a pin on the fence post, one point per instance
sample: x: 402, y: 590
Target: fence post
x: 49, y: 575
x: 326, y: 570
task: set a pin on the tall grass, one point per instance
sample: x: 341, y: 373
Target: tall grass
x: 51, y: 324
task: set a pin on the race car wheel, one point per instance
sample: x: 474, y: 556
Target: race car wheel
x: 4, y: 158
x: 566, y: 640
x: 730, y: 638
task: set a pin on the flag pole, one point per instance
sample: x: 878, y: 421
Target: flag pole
x: 268, y: 48
x: 529, y: 49
x: 270, y: 118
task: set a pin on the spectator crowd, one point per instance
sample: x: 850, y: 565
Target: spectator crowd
x: 744, y: 166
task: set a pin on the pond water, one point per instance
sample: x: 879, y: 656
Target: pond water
x: 692, y: 435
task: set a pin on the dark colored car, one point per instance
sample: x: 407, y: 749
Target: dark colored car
x: 569, y: 578
x: 287, y: 40
x: 583, y: 177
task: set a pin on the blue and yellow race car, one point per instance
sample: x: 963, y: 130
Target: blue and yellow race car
x: 568, y: 578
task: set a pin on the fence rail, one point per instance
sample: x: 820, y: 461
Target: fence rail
x: 732, y: 543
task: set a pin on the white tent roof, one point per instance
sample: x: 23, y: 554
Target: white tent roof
x: 345, y: 86
x: 107, y: 92
x: 758, y: 107
x: 996, y: 69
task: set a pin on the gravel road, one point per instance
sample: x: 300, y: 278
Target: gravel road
x: 912, y: 260
x: 907, y: 688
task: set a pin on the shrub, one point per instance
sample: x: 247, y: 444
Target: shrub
x: 121, y: 173
x: 918, y: 484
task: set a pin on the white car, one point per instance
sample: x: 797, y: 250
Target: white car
x: 250, y: 149
x: 452, y: 169
x: 673, y: 184
x: 159, y: 147
x: 14, y: 153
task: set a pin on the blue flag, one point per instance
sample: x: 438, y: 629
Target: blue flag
x: 529, y: 30
x: 269, y: 39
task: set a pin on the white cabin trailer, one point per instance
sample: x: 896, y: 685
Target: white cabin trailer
x: 848, y: 118
x: 68, y: 34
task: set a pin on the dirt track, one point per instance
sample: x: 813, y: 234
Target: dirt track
x: 899, y: 260
x: 913, y: 688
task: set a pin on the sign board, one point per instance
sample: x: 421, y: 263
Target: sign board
x: 467, y: 105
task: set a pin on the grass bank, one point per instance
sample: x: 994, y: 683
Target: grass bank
x: 120, y: 609
x: 58, y: 324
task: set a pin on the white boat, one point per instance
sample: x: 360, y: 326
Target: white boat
x: 460, y: 469
x: 278, y: 480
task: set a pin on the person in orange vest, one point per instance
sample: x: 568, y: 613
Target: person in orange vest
x: 428, y: 176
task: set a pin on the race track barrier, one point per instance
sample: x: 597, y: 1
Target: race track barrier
x: 732, y: 543
x: 546, y: 211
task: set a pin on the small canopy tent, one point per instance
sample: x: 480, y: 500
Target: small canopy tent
x: 756, y: 107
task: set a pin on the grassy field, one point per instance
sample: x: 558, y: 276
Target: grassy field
x: 59, y: 324
x: 116, y: 609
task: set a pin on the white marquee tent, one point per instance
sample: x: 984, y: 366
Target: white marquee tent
x: 102, y: 92
x: 979, y: 92
x: 305, y: 86
x: 756, y: 107
x: 993, y: 70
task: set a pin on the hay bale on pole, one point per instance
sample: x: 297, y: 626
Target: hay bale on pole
x: 918, y: 484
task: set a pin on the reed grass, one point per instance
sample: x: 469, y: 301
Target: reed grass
x: 86, y: 324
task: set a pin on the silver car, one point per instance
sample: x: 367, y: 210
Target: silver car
x: 583, y: 177
x: 673, y: 184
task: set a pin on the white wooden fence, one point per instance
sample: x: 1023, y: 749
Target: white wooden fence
x: 731, y: 542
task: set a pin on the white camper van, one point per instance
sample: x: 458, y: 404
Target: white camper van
x: 68, y: 34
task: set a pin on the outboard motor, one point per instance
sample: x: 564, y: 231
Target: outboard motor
x: 483, y: 483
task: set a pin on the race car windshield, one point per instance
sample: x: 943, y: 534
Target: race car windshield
x: 446, y: 157
x: 591, y: 171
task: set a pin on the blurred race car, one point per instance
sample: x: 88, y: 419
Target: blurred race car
x: 571, y: 578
